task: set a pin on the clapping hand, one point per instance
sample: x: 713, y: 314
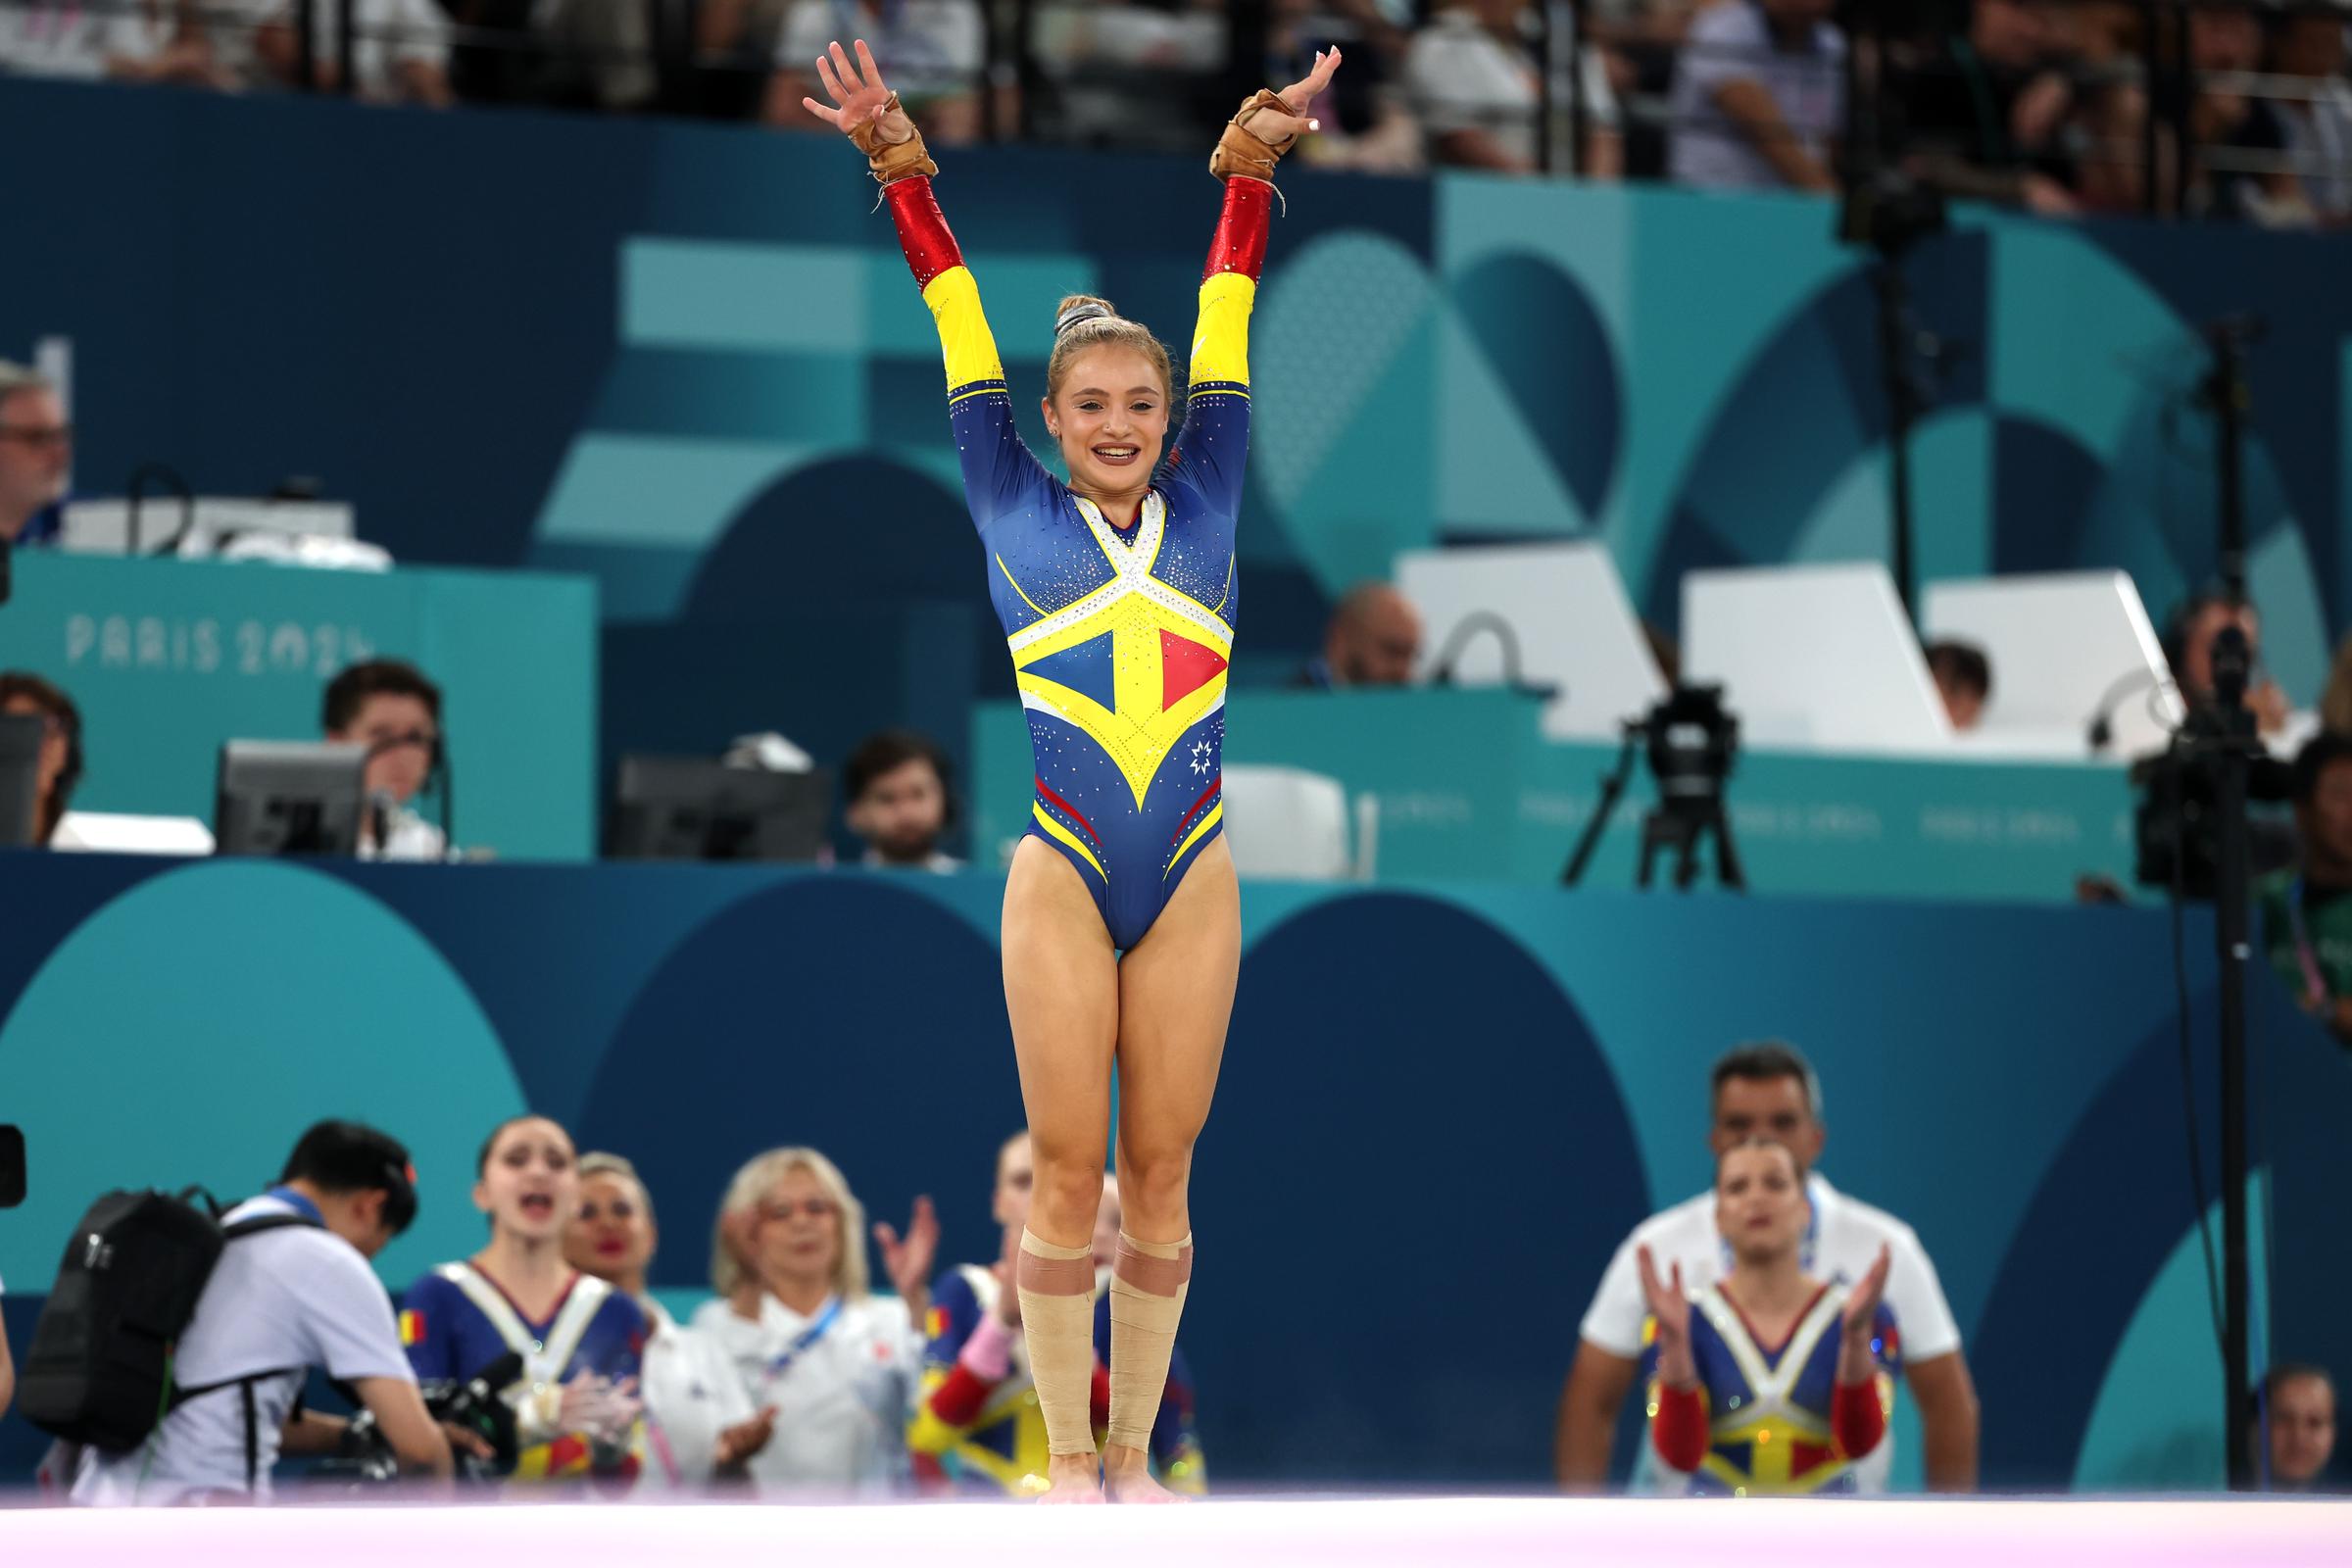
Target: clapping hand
x: 908, y: 1262
x: 1670, y: 1311
x: 739, y: 1442
x: 1855, y: 1362
x: 1862, y: 1303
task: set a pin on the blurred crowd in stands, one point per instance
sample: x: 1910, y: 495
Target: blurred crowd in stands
x: 2240, y: 110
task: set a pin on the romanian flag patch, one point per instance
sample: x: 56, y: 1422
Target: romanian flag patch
x: 412, y: 1329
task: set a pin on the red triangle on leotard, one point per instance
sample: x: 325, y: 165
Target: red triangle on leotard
x: 1185, y: 667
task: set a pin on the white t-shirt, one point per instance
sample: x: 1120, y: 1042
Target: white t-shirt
x: 1842, y: 1244
x: 1729, y: 42
x: 842, y: 1402
x: 75, y: 39
x: 1463, y: 78
x: 297, y: 1298
x: 692, y: 1393
x: 407, y: 836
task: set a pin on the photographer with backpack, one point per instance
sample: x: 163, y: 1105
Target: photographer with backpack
x: 288, y: 1288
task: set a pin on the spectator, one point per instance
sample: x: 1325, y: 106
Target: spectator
x: 1372, y: 639
x: 391, y: 709
x: 36, y: 457
x: 2309, y: 46
x: 1718, y: 1418
x: 2298, y: 1403
x: 1477, y: 86
x: 1963, y: 679
x: 2307, y: 912
x: 897, y: 787
x: 291, y: 1297
x: 2189, y: 647
x: 931, y: 51
x: 796, y: 1321
x: 60, y: 766
x: 2233, y: 133
x: 400, y: 54
x: 132, y: 40
x: 1759, y: 95
x: 1770, y: 1089
x: 2335, y: 703
x: 581, y: 1340
x: 1986, y: 117
x: 699, y: 1426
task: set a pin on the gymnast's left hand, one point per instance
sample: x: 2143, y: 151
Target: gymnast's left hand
x: 908, y: 1261
x: 1862, y: 1305
x: 1298, y: 97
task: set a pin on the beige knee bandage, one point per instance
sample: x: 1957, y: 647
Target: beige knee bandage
x: 1147, y: 1284
x: 1058, y: 1319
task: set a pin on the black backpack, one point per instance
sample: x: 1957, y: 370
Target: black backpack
x: 99, y: 1370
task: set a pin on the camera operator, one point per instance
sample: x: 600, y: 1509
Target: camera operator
x: 277, y: 1303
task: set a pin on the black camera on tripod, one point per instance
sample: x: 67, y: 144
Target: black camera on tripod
x: 1692, y: 741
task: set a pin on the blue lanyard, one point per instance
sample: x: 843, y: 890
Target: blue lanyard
x: 804, y: 1340
x: 298, y: 1204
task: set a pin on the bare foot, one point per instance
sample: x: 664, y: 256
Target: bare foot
x: 1127, y: 1477
x: 1071, y: 1477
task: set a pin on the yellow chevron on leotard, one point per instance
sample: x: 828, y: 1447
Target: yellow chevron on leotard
x: 1214, y: 815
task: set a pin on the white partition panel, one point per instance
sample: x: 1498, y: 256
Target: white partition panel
x: 2064, y: 647
x: 1568, y: 611
x: 1813, y: 658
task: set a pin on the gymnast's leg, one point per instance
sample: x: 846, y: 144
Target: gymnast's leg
x: 1061, y: 980
x: 1175, y: 1000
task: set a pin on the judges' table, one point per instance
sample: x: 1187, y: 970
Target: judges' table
x: 1519, y: 1071
x: 1466, y: 786
x: 168, y: 659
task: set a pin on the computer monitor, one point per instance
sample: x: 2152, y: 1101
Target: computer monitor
x: 21, y: 737
x: 291, y: 798
x: 693, y: 809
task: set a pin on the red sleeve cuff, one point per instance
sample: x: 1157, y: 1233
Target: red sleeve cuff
x: 1680, y: 1428
x: 1857, y: 1418
x: 923, y: 232
x: 960, y: 1396
x: 1240, y: 245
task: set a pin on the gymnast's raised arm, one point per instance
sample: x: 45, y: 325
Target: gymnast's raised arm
x: 1214, y: 442
x: 998, y: 469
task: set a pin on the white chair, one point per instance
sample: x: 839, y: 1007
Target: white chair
x: 1289, y: 824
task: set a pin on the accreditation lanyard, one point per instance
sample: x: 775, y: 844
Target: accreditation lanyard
x: 804, y: 1342
x: 2314, y: 981
x: 298, y: 1204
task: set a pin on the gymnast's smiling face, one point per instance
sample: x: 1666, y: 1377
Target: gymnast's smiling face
x: 1112, y: 418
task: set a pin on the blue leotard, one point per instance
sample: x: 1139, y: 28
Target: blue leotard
x: 1119, y: 637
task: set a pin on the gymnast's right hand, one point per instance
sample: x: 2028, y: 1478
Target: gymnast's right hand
x: 857, y: 88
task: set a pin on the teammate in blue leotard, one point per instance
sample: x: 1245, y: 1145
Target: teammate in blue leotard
x: 575, y: 1406
x: 1770, y: 1381
x: 1122, y: 919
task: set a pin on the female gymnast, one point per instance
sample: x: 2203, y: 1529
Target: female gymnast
x: 1122, y: 919
x: 575, y: 1406
x: 1771, y: 1381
